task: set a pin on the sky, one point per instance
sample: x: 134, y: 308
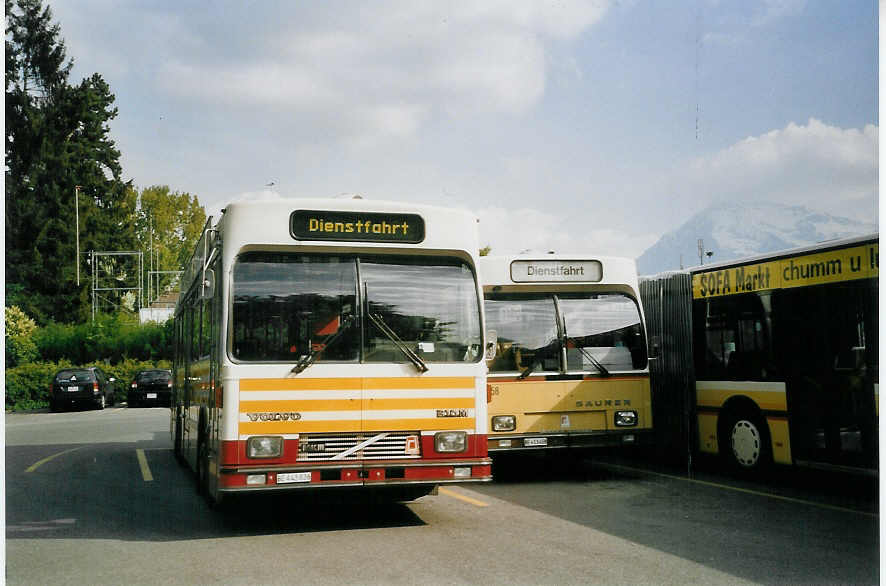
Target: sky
x: 585, y: 126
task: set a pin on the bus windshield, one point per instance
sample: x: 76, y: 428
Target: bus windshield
x: 289, y: 305
x: 527, y: 332
x: 604, y: 328
x: 596, y: 329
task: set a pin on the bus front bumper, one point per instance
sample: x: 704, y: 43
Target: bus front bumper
x: 515, y: 442
x: 355, y: 474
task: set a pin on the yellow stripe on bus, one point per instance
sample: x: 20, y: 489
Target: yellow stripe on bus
x: 351, y: 383
x: 299, y: 384
x: 280, y: 427
x: 301, y: 405
x: 419, y: 424
x: 766, y: 400
x: 439, y: 382
x: 356, y: 404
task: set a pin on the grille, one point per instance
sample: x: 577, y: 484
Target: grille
x: 315, y: 447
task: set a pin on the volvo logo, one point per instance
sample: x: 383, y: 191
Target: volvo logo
x: 290, y: 416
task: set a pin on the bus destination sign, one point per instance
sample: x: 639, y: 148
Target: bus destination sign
x: 356, y: 226
x: 556, y: 271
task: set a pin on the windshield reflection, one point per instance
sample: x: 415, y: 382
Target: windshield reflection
x: 598, y: 329
x: 288, y: 306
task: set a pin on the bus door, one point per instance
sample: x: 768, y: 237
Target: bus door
x: 827, y: 336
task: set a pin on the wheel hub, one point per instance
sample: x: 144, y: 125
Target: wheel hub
x: 746, y: 443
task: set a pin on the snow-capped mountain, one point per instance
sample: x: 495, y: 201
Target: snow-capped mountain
x: 732, y: 231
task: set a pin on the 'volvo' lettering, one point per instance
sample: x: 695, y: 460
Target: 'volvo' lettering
x: 452, y: 412
x: 290, y: 416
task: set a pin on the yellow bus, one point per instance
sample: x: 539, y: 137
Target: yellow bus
x: 331, y: 343
x: 570, y: 369
x: 780, y: 353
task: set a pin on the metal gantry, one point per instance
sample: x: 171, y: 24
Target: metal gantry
x: 104, y: 288
x: 156, y: 290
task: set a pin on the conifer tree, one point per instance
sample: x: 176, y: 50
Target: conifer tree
x: 57, y: 138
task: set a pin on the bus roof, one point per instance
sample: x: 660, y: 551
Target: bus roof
x: 556, y: 270
x: 347, y: 222
x: 340, y: 223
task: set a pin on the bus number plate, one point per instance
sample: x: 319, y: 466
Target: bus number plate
x: 535, y: 441
x: 289, y: 477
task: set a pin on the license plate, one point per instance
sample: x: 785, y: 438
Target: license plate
x: 289, y: 477
x: 73, y: 389
x: 151, y: 396
x: 535, y: 441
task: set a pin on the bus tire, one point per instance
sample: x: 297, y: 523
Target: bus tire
x: 744, y: 442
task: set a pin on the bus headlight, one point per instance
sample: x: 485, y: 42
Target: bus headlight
x: 264, y: 447
x: 625, y: 418
x: 504, y: 423
x: 450, y: 441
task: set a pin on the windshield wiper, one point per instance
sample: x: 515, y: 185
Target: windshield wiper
x: 584, y: 352
x: 528, y: 370
x: 309, y: 359
x: 537, y: 358
x: 387, y: 331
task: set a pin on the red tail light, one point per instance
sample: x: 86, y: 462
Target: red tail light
x: 95, y: 386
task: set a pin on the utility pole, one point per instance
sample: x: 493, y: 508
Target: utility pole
x: 77, y: 215
x: 150, y: 254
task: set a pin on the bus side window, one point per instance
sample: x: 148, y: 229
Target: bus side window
x: 736, y: 339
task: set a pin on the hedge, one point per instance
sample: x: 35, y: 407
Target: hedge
x: 27, y: 386
x: 111, y: 339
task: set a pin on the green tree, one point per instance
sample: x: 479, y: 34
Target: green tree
x: 20, y: 346
x: 168, y: 226
x: 57, y: 138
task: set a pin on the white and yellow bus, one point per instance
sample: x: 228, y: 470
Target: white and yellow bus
x: 570, y: 368
x: 780, y: 353
x: 331, y: 343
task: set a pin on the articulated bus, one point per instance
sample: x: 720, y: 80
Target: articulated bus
x: 780, y: 354
x: 331, y: 343
x: 570, y: 369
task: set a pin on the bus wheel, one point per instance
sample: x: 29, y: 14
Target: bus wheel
x: 744, y: 441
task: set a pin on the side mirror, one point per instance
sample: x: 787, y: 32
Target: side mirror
x: 491, y: 344
x: 207, y: 290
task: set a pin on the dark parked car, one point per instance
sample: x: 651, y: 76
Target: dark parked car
x: 81, y: 386
x: 150, y: 386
